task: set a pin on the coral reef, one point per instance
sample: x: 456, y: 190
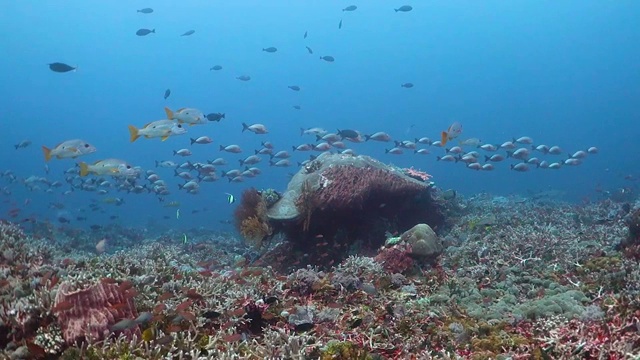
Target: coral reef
x: 535, y: 280
x: 345, y: 203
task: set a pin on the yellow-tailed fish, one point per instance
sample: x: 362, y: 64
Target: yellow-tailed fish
x: 160, y: 128
x: 68, y: 149
x: 107, y: 167
x: 186, y: 115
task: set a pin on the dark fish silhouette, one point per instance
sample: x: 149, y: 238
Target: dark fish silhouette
x: 167, y: 93
x: 216, y: 68
x: 188, y: 33
x: 146, y: 11
x: 327, y: 58
x: 145, y: 32
x: 309, y: 50
x: 404, y: 8
x: 407, y: 85
x: 270, y: 49
x: 340, y: 24
x: 215, y: 116
x: 350, y: 8
x: 294, y: 87
x: 61, y: 67
x: 305, y: 35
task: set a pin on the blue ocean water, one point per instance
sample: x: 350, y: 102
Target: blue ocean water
x: 563, y: 73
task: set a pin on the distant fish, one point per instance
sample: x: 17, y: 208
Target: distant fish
x: 297, y: 107
x: 215, y: 116
x: 244, y: 78
x: 22, y: 144
x: 305, y: 34
x: 201, y: 140
x: 294, y: 87
x: 349, y: 134
x: 231, y: 148
x: 521, y: 167
x: 407, y: 85
x: 124, y: 324
x: 189, y: 33
x: 452, y: 132
x: 379, y: 136
x: 327, y: 58
x: 340, y: 24
x: 216, y: 68
x: 182, y: 152
x: 167, y: 93
x: 593, y: 150
x: 309, y: 50
x: 146, y: 11
x: 230, y: 198
x: 255, y: 128
x: 145, y: 32
x: 404, y: 8
x: 61, y: 67
x: 270, y: 49
x: 523, y: 140
x: 350, y: 8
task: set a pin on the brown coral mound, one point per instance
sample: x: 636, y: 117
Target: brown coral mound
x: 86, y: 314
x: 251, y: 217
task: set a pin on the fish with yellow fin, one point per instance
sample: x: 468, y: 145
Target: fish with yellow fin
x: 68, y: 149
x: 452, y: 132
x: 112, y: 167
x: 186, y: 115
x: 160, y: 128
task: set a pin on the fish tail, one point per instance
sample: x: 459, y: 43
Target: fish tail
x: 294, y: 148
x: 221, y: 147
x: 367, y: 137
x: 271, y: 163
x: 16, y: 146
x: 156, y: 163
x: 134, y: 134
x: 47, y: 153
x: 193, y: 141
x: 301, y: 131
x: 443, y: 136
x: 84, y: 169
x: 153, y: 31
x: 509, y: 154
x: 244, y: 127
x: 438, y: 158
x: 169, y: 113
x: 318, y: 137
x: 386, y: 151
x: 486, y: 158
x: 241, y: 162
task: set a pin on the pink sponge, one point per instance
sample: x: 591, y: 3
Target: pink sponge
x: 86, y: 314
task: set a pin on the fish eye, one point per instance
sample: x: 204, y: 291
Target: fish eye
x: 86, y: 145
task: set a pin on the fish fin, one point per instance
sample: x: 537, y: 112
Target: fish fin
x: 443, y: 138
x: 180, y: 110
x: 133, y: 132
x: 169, y: 113
x: 84, y: 169
x: 164, y: 137
x: 47, y: 153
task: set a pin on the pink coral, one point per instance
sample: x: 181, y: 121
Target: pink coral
x: 396, y: 259
x: 350, y: 187
x: 88, y: 313
x: 417, y: 174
